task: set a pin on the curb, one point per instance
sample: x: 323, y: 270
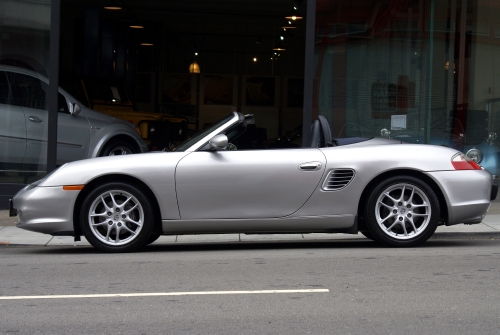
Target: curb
x: 493, y: 235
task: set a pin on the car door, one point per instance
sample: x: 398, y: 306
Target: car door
x: 12, y: 128
x: 31, y: 96
x: 247, y: 184
x: 73, y: 131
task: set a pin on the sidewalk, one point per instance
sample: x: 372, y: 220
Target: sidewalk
x: 12, y: 236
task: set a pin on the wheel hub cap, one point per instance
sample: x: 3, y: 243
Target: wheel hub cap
x: 403, y: 211
x: 120, y: 228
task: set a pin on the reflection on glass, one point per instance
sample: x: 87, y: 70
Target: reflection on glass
x: 24, y: 43
x: 430, y: 63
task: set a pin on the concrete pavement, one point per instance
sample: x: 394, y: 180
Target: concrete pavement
x: 12, y: 236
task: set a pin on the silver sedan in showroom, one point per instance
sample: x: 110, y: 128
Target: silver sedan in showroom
x: 392, y: 192
x: 81, y: 132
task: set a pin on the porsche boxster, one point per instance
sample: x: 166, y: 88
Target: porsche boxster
x: 392, y: 192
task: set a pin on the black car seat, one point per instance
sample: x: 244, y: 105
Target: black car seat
x: 320, y: 135
x: 327, y: 140
x: 315, y: 135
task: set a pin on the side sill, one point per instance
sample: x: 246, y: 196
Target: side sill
x: 328, y: 223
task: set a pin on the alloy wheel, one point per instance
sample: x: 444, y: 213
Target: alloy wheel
x: 403, y: 211
x: 116, y: 217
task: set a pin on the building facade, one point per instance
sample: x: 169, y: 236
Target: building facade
x: 422, y: 71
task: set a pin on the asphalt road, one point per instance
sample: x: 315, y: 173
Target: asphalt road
x: 442, y: 287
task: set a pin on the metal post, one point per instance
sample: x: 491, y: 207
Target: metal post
x: 428, y: 114
x: 52, y: 98
x: 308, y: 71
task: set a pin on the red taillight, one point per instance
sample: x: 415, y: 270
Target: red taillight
x: 462, y: 162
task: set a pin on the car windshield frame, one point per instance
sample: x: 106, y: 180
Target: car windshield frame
x: 203, y: 136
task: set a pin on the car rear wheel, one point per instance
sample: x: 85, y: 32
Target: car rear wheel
x: 402, y: 211
x: 117, y: 217
x: 118, y: 147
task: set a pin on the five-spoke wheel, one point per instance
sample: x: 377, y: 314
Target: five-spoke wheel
x: 117, y: 217
x: 402, y: 211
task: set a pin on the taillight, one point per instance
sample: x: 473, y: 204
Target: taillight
x: 463, y: 162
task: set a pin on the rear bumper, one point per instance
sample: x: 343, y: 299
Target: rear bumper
x: 468, y: 194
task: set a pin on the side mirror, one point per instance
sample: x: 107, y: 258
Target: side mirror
x: 218, y: 142
x: 74, y: 109
x: 249, y: 119
x: 491, y: 137
x: 385, y: 133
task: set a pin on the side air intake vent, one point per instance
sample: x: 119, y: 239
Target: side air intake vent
x: 338, y: 179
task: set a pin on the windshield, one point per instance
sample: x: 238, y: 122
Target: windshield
x: 106, y: 92
x: 198, y: 136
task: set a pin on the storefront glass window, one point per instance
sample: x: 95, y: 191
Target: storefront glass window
x: 24, y: 60
x: 419, y: 71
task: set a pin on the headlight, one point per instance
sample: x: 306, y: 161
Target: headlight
x: 33, y: 185
x: 38, y: 182
x: 475, y: 154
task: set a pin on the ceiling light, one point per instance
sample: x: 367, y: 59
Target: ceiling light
x: 113, y: 5
x: 294, y: 15
x: 288, y: 25
x: 147, y: 44
x: 279, y: 47
x: 136, y: 26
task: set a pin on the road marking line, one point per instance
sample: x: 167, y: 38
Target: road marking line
x: 158, y: 294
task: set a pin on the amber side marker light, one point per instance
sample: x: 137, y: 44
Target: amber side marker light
x: 73, y: 187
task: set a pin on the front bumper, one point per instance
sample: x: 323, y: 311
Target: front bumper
x: 47, y: 210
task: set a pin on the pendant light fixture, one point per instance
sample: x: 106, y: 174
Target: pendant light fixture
x: 194, y: 67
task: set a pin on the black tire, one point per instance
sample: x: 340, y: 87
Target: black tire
x: 118, y: 147
x: 152, y: 238
x: 402, y: 211
x: 126, y: 219
x: 367, y: 234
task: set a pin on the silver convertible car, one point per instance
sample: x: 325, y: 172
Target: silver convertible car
x: 394, y: 193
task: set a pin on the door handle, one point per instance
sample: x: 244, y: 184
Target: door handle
x: 310, y: 166
x: 35, y: 119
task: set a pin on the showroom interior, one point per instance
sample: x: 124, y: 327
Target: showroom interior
x: 422, y: 71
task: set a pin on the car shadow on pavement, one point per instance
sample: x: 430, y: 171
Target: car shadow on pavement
x: 242, y: 246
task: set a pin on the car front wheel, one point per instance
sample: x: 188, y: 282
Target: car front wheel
x: 402, y: 211
x: 117, y: 217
